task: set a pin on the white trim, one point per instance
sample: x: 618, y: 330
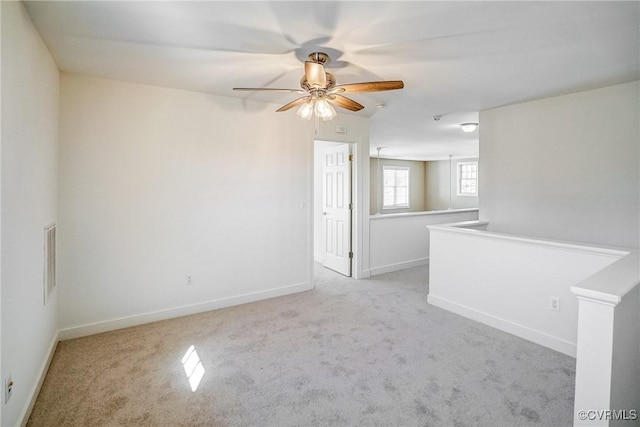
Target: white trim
x: 310, y: 206
x: 474, y: 223
x: 359, y: 226
x: 140, y: 319
x: 595, y: 296
x: 466, y: 228
x: 555, y: 343
x: 398, y: 266
x: 610, y: 285
x: 355, y: 198
x: 421, y: 213
x: 35, y: 390
x: 360, y: 200
x: 365, y: 274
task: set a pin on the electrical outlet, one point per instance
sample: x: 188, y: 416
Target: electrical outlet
x: 8, y: 388
x: 554, y: 304
x: 189, y: 281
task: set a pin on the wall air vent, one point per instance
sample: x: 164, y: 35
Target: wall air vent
x: 49, y: 261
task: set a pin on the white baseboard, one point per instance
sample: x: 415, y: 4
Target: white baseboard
x: 364, y: 274
x: 398, y: 266
x: 35, y: 390
x: 546, y: 340
x: 140, y: 319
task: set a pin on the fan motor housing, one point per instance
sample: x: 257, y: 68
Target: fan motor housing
x: 331, y: 82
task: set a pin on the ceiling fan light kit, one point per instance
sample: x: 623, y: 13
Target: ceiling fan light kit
x: 320, y: 106
x: 322, y: 94
x: 469, y: 127
x: 324, y: 110
x: 306, y: 110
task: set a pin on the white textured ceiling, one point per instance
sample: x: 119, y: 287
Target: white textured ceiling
x: 456, y: 58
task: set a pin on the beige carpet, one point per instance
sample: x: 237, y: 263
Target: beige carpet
x: 350, y: 353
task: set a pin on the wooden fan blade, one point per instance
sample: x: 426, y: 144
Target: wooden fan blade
x: 368, y: 87
x: 293, y: 104
x: 345, y: 102
x: 268, y: 89
x: 315, y: 74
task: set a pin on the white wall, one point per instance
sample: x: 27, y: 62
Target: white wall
x: 440, y: 182
x: 157, y: 184
x: 28, y: 176
x: 507, y: 282
x: 566, y: 167
x: 1, y: 395
x: 401, y: 241
x: 417, y: 190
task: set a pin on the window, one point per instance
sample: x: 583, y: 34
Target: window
x: 468, y: 179
x: 396, y: 187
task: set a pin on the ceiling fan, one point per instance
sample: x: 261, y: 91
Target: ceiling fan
x: 321, y: 91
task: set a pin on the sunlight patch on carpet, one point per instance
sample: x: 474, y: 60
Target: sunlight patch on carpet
x: 193, y: 367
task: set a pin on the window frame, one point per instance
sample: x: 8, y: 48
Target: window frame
x: 459, y: 178
x: 396, y: 206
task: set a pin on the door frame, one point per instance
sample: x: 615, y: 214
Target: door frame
x: 360, y: 200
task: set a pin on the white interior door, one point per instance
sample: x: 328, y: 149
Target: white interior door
x: 337, y: 208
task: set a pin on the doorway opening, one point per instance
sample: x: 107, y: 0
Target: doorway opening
x: 333, y: 206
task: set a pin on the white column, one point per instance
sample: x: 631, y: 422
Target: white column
x: 594, y: 361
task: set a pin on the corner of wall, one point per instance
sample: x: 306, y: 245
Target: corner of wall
x: 30, y: 85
